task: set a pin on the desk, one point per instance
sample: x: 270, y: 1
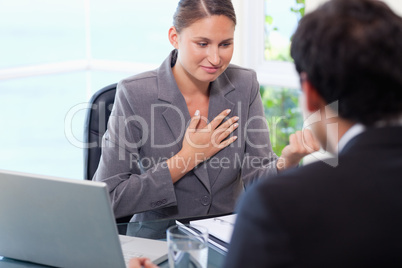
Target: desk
x: 148, y: 229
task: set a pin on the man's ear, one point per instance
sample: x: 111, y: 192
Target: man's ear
x: 173, y: 37
x: 312, y: 98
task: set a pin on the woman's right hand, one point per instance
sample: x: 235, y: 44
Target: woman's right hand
x: 200, y: 144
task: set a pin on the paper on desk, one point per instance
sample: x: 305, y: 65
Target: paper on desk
x: 220, y: 227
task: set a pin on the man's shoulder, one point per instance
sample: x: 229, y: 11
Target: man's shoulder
x: 312, y: 180
x: 306, y: 174
x: 306, y: 186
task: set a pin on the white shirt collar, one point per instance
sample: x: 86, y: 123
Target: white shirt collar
x: 352, y: 132
x: 358, y: 128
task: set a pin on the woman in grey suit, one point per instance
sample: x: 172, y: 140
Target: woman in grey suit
x: 186, y: 139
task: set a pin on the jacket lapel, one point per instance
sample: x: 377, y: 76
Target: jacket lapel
x: 217, y: 96
x: 218, y: 102
x: 177, y: 116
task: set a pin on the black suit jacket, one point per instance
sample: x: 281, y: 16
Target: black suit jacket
x: 321, y: 216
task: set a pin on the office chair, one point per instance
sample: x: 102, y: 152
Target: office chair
x: 95, y: 126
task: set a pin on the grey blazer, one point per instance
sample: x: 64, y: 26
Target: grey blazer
x: 146, y: 127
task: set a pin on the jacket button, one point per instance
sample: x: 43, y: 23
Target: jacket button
x: 205, y: 200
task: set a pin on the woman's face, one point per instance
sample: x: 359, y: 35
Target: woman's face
x: 205, y: 48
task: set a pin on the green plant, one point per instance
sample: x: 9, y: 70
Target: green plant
x: 281, y: 104
x: 299, y: 9
x: 282, y: 114
x: 273, y: 50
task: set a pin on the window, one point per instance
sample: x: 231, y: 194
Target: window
x: 270, y: 72
x: 54, y: 56
x: 270, y: 25
x: 281, y: 18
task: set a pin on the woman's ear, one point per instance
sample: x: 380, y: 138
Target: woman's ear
x: 174, y: 37
x: 312, y: 98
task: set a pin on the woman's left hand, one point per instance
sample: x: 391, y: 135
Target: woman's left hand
x: 301, y: 143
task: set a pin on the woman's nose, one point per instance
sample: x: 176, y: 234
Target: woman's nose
x: 213, y: 56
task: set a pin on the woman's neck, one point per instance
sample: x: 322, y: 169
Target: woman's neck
x: 187, y: 85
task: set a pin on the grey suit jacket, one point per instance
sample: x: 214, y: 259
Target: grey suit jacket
x: 146, y: 127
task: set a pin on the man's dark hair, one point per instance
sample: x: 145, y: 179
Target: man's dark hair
x: 351, y: 51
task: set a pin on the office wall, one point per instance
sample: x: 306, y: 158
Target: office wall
x: 396, y: 5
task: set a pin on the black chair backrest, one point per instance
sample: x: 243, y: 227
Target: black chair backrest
x: 95, y: 126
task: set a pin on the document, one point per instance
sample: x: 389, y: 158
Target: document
x: 219, y: 227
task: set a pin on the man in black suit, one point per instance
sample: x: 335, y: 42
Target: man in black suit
x: 346, y: 211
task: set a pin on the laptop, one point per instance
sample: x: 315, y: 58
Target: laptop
x: 65, y: 223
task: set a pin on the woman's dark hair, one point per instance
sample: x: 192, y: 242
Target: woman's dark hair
x: 189, y: 11
x: 351, y: 51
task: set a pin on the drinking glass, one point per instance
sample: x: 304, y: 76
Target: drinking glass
x: 188, y: 246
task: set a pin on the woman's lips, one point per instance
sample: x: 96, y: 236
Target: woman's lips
x: 210, y: 70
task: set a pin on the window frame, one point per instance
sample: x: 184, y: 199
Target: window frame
x: 275, y: 73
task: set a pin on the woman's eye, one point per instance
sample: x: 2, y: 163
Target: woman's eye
x: 202, y: 44
x: 225, y: 44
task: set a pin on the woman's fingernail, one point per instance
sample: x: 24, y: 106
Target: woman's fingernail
x: 236, y: 118
x: 197, y: 113
x: 228, y: 111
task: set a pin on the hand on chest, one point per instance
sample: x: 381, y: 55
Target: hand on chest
x: 201, y: 104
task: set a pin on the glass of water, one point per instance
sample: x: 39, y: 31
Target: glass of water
x: 188, y: 246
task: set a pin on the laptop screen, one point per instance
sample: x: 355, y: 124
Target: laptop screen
x: 58, y: 222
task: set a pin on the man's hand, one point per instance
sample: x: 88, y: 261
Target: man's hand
x: 141, y: 262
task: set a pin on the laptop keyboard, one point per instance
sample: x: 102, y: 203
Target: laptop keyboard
x: 128, y: 255
x: 132, y: 254
x: 135, y: 247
